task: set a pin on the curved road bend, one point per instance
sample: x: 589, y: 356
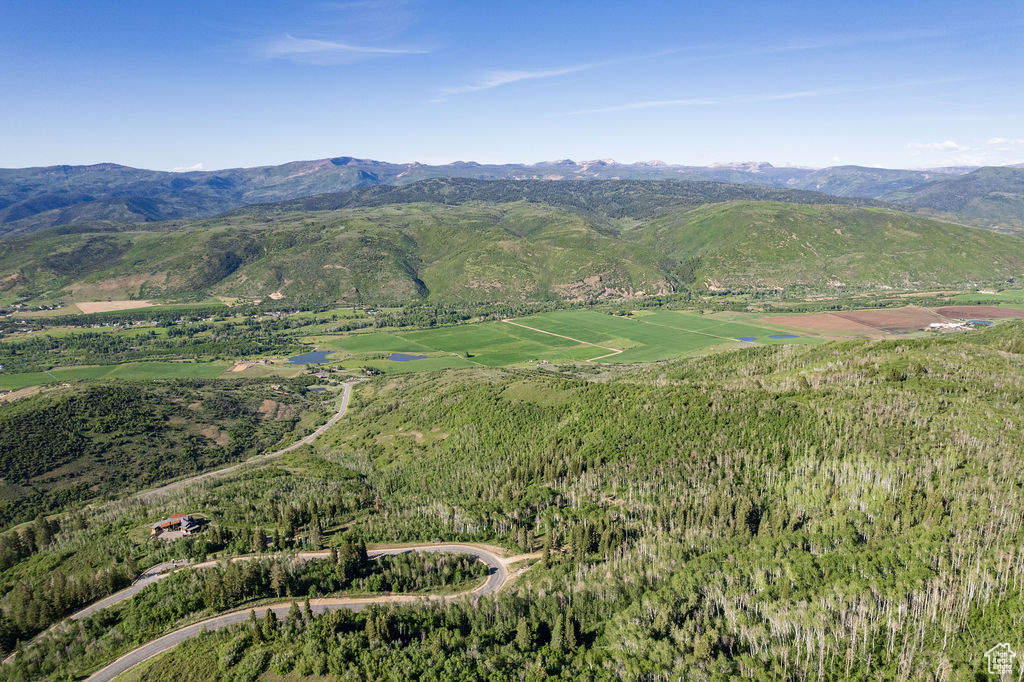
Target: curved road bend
x: 346, y: 394
x: 152, y: 575
x: 496, y: 577
x: 161, y: 571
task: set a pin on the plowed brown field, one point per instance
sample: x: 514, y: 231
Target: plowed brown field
x: 980, y: 312
x: 869, y: 323
x: 894, y: 319
x: 828, y: 323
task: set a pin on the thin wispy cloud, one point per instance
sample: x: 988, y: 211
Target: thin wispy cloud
x: 944, y: 146
x: 324, y: 52
x: 494, y: 79
x: 748, y: 99
x: 829, y: 42
x: 995, y: 151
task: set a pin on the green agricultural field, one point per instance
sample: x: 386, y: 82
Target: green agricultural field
x: 1014, y: 297
x: 500, y: 343
x: 649, y: 336
x: 371, y: 342
x: 428, y: 363
x: 723, y: 327
x: 128, y: 372
x: 492, y: 344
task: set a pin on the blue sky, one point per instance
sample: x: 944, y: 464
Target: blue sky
x: 223, y: 84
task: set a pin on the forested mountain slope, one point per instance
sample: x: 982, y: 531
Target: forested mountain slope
x: 475, y: 241
x: 988, y: 196
x: 611, y: 198
x: 35, y: 198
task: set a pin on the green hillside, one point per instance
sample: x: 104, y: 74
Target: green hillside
x: 482, y: 252
x: 94, y: 438
x: 386, y: 254
x: 763, y: 245
x: 993, y: 197
x: 858, y: 181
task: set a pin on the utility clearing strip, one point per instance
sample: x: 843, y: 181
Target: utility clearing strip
x: 614, y: 351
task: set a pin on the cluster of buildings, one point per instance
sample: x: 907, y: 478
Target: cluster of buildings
x: 948, y: 325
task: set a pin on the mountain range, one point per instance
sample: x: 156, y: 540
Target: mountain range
x: 35, y: 198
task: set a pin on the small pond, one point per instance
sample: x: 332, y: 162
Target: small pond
x: 310, y: 358
x: 405, y: 357
x: 746, y: 338
x: 983, y: 323
x: 783, y: 336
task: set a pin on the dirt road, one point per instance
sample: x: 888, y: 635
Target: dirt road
x: 346, y: 395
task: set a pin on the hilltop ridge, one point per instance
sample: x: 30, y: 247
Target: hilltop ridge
x: 36, y: 198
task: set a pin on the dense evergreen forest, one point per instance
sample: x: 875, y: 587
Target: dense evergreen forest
x: 845, y: 511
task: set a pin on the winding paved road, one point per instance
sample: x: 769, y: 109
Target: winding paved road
x: 497, y: 576
x: 152, y: 575
x: 345, y: 396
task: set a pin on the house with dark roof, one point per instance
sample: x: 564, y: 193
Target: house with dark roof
x: 176, y: 522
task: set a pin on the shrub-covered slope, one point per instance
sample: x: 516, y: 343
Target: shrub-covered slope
x: 591, y: 245
x: 97, y: 438
x: 988, y: 196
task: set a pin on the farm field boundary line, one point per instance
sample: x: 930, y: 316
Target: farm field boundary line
x: 691, y: 331
x: 614, y: 351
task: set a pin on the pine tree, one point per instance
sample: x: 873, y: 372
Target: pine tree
x: 278, y: 578
x: 254, y: 625
x: 42, y: 532
x: 294, y: 615
x: 570, y: 631
x: 259, y: 541
x: 315, y: 537
x: 524, y: 638
x: 269, y: 625
x: 557, y: 641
